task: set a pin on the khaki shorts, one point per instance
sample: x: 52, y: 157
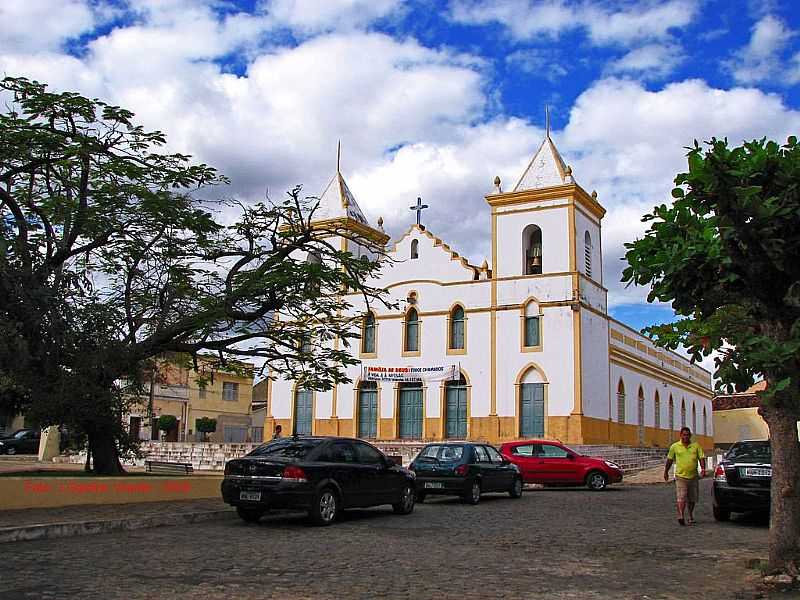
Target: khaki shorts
x: 687, y: 490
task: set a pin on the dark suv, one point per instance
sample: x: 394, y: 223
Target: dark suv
x: 742, y: 480
x: 318, y: 474
x: 464, y: 469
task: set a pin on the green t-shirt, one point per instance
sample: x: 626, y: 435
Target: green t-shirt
x: 685, y: 458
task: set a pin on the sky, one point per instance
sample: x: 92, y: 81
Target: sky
x: 431, y: 98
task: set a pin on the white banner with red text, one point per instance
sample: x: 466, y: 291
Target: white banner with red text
x: 408, y: 374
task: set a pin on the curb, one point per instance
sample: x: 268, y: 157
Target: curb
x: 61, y: 530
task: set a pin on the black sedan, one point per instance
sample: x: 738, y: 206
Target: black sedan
x: 742, y: 480
x: 318, y: 474
x: 464, y: 469
x: 23, y: 441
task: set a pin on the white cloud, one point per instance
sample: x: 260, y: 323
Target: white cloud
x: 651, y: 62
x: 42, y: 24
x: 629, y: 143
x: 544, y: 63
x: 637, y: 22
x: 310, y: 16
x: 761, y: 59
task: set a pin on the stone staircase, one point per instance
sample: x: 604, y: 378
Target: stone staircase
x: 208, y: 456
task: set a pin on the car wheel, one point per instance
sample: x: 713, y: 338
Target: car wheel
x: 721, y: 514
x: 421, y: 497
x: 11, y: 450
x: 251, y: 515
x: 473, y: 493
x: 406, y: 504
x: 516, y: 488
x: 325, y: 507
x: 596, y: 481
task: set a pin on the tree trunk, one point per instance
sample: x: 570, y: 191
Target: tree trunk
x: 104, y: 453
x: 784, y: 528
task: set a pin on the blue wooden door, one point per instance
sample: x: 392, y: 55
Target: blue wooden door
x: 368, y: 411
x: 411, y: 412
x: 456, y: 412
x: 303, y: 412
x: 532, y: 410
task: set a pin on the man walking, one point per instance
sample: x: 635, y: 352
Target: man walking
x: 686, y: 454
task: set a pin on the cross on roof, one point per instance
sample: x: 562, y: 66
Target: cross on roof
x: 419, y: 207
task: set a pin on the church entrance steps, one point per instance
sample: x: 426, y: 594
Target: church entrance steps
x: 209, y: 456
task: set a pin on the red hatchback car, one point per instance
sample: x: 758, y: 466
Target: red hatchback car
x: 552, y: 463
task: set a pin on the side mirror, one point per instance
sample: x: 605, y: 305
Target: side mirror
x: 392, y: 461
x: 571, y: 456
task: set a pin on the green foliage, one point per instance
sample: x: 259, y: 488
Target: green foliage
x: 109, y: 258
x: 724, y: 254
x: 167, y: 423
x: 205, y: 425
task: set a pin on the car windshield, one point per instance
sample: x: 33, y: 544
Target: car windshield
x: 442, y: 453
x: 20, y: 434
x: 750, y: 450
x: 287, y: 448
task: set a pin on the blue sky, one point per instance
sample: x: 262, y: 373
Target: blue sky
x: 431, y: 98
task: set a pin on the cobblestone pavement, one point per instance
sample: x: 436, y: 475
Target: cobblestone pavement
x: 553, y: 543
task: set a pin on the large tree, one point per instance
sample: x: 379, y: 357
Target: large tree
x: 109, y: 259
x: 725, y: 255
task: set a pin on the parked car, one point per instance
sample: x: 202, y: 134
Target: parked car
x: 464, y: 469
x: 319, y: 474
x: 22, y: 441
x: 553, y: 463
x: 742, y: 479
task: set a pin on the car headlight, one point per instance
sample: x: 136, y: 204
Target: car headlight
x: 2, y: 444
x: 613, y: 465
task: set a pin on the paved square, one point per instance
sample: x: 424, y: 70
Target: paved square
x: 553, y: 543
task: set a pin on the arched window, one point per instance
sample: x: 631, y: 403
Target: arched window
x: 532, y: 244
x: 455, y: 409
x: 587, y: 253
x: 412, y: 331
x: 306, y: 347
x: 456, y: 336
x: 531, y: 327
x: 368, y: 334
x: 671, y: 413
x: 620, y: 402
x: 368, y: 409
x: 657, y: 407
x: 705, y: 421
x: 640, y: 403
x: 694, y: 418
x: 683, y: 412
x: 414, y: 249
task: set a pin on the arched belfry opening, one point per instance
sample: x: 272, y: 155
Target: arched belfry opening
x: 532, y: 245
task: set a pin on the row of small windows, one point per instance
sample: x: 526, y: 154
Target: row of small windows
x: 657, y: 409
x: 456, y: 336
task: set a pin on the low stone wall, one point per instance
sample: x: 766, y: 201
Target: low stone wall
x: 209, y: 456
x: 30, y: 491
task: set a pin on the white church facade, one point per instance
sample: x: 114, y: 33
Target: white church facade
x: 536, y: 353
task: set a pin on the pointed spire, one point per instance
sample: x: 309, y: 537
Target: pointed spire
x: 547, y: 120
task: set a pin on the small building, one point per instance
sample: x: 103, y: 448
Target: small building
x: 226, y: 396
x: 736, y: 417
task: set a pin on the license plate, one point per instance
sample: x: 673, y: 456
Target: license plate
x: 757, y: 472
x: 435, y: 485
x: 252, y: 496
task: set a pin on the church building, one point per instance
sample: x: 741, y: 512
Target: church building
x: 528, y: 338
